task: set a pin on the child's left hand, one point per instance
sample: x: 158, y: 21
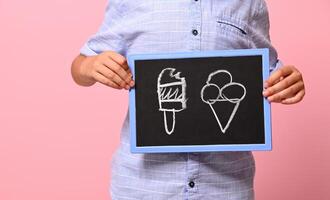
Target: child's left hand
x: 285, y: 86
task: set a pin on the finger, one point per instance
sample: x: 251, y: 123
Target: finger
x: 119, y: 59
x: 105, y: 81
x: 282, y: 84
x: 130, y: 75
x: 122, y: 61
x: 108, y: 73
x: 298, y: 97
x: 119, y: 70
x: 132, y: 83
x: 281, y: 72
x: 287, y: 93
x: 276, y: 81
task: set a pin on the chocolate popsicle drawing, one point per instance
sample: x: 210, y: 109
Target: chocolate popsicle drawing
x: 171, y: 89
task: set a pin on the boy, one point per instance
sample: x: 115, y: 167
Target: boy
x: 154, y: 26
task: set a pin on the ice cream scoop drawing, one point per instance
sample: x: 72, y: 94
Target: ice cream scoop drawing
x: 171, y: 89
x: 221, y: 88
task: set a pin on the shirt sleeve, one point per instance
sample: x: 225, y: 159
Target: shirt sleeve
x: 261, y: 35
x: 278, y: 65
x: 108, y: 37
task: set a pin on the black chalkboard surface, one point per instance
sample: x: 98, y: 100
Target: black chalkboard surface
x: 200, y: 101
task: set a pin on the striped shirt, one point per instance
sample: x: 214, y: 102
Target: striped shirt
x: 157, y: 26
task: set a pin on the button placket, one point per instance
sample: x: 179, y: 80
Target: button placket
x: 193, y: 165
x: 191, y: 189
x: 196, y: 24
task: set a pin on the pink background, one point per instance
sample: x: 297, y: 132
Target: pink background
x: 56, y: 138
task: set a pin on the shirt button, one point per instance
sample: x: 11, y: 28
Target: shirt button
x: 191, y: 184
x: 195, y: 32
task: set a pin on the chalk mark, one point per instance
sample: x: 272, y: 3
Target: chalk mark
x: 170, y: 93
x: 221, y: 97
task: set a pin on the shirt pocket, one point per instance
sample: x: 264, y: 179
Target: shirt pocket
x: 232, y: 32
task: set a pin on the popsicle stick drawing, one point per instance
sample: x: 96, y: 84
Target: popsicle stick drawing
x: 171, y: 89
x: 223, y: 94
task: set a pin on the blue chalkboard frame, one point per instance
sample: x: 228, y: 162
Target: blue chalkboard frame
x: 267, y: 146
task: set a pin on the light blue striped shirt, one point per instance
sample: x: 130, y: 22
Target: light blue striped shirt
x: 154, y: 26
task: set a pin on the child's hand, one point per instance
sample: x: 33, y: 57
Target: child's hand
x: 285, y: 86
x: 108, y: 68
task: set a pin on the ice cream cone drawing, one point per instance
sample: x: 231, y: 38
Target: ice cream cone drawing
x: 220, y: 88
x: 171, y: 89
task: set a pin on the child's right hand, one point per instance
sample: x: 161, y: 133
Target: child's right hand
x: 108, y: 68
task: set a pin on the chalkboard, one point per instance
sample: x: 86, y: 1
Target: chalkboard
x: 199, y: 101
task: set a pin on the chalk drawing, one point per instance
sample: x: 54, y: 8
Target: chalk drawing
x: 171, y: 89
x: 221, y: 96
